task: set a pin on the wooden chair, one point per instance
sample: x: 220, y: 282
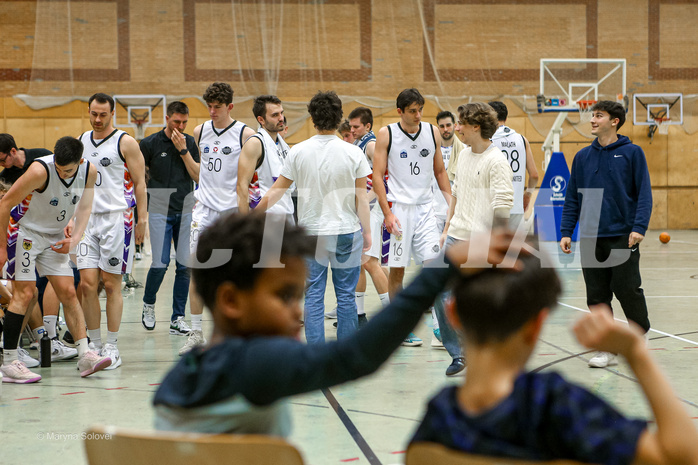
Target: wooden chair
x: 427, y: 453
x: 115, y: 446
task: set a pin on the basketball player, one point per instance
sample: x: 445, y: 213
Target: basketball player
x: 411, y: 152
x: 107, y: 245
x: 220, y: 142
x: 520, y: 157
x: 38, y: 208
x: 262, y: 158
x: 344, y: 131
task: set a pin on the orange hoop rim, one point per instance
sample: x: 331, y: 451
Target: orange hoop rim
x: 585, y: 104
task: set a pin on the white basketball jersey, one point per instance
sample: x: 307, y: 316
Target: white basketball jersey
x: 113, y: 187
x: 411, y: 164
x: 512, y: 144
x: 440, y: 205
x: 219, y: 150
x: 48, y: 211
x: 273, y: 158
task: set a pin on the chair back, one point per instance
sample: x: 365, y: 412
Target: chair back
x: 427, y: 453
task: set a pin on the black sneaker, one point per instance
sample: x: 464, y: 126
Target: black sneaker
x: 362, y: 321
x: 456, y: 366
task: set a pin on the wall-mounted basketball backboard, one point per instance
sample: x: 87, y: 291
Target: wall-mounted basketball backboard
x: 140, y: 112
x: 658, y: 111
x: 564, y: 82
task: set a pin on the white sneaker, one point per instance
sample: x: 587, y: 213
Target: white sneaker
x: 91, y: 363
x: 60, y: 351
x: 602, y: 360
x: 24, y: 357
x: 195, y: 339
x: 331, y: 315
x: 17, y: 372
x: 179, y: 327
x: 148, y: 316
x: 111, y: 351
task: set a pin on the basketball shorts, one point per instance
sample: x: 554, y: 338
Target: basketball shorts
x: 29, y: 252
x: 380, y: 238
x: 201, y: 218
x: 107, y: 242
x: 419, y: 238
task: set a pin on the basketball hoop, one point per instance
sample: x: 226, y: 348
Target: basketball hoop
x: 139, y: 120
x: 584, y: 107
x: 663, y: 124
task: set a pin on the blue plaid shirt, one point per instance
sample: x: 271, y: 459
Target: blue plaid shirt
x: 544, y: 418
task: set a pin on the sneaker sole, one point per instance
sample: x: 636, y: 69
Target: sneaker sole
x: 31, y: 364
x: 64, y: 357
x: 602, y: 365
x: 99, y: 367
x: 176, y: 332
x: 330, y: 317
x: 412, y: 343
x: 21, y: 381
x: 146, y: 326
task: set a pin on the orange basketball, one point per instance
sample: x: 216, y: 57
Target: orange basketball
x: 664, y: 238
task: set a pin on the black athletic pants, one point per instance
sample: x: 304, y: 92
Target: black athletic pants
x: 622, y: 280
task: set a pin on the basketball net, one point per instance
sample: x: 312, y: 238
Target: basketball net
x: 139, y: 119
x: 584, y: 107
x: 663, y: 125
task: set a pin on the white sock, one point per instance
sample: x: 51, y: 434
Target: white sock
x: 111, y: 337
x: 385, y: 299
x: 196, y: 322
x: 82, y: 346
x: 50, y: 321
x: 359, y: 297
x: 435, y: 320
x: 39, y: 332
x: 95, y: 336
x: 9, y: 356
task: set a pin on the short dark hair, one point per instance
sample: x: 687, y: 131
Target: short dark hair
x: 445, y: 114
x: 364, y: 114
x: 67, y: 151
x: 614, y: 109
x: 479, y: 114
x: 259, y: 108
x: 219, y: 92
x: 344, y: 127
x: 102, y: 98
x: 497, y: 302
x: 7, y: 143
x: 407, y: 97
x: 244, y: 235
x: 325, y: 110
x: 500, y: 108
x: 177, y: 107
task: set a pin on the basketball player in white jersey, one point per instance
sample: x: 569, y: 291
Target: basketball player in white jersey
x: 106, y: 247
x: 520, y: 157
x: 39, y: 209
x: 262, y: 158
x: 410, y: 151
x: 220, y: 142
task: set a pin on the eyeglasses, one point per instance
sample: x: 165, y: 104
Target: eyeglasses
x: 2, y: 161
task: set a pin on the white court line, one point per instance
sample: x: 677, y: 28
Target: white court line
x: 651, y: 329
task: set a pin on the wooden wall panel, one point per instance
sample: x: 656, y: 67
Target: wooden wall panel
x: 659, y: 218
x: 682, y: 205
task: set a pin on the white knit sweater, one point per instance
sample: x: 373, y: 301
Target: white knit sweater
x: 483, y: 184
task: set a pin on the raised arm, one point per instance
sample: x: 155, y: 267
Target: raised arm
x: 136, y: 167
x: 249, y: 159
x: 180, y: 143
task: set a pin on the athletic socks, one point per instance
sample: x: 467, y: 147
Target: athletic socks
x: 112, y: 337
x: 359, y: 297
x: 385, y: 299
x: 50, y: 322
x: 39, y: 333
x: 196, y: 322
x: 82, y: 346
x: 95, y: 336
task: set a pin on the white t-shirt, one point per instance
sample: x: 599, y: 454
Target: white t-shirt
x: 325, y: 169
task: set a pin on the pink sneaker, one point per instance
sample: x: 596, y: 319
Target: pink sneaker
x: 17, y: 372
x: 92, y: 363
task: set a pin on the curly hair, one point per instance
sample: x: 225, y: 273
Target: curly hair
x: 479, y: 114
x: 325, y: 110
x: 219, y: 92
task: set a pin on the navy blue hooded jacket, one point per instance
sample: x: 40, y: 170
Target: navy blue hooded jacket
x: 620, y: 169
